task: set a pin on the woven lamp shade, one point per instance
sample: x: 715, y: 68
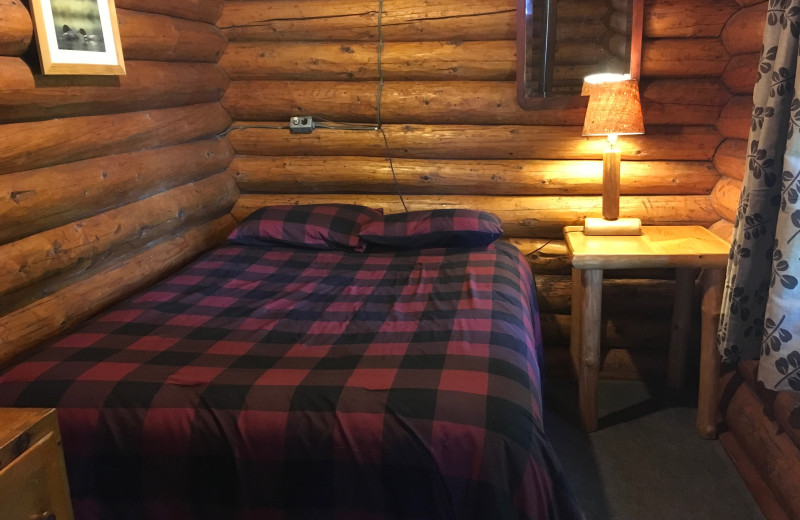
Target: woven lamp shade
x: 614, y: 108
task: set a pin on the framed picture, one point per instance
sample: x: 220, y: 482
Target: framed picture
x: 78, y: 37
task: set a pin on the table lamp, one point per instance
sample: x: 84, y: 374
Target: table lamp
x: 614, y: 109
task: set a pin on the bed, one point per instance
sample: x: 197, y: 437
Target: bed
x: 334, y: 370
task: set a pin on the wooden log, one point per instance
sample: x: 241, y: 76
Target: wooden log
x: 17, y: 28
x: 761, y: 493
x: 615, y: 363
x: 744, y: 32
x: 35, y: 200
x: 730, y: 158
x: 682, y: 101
x: 588, y: 366
x: 576, y: 322
x: 148, y: 36
x: 772, y: 452
x: 202, y: 10
x: 347, y: 174
x: 26, y: 146
x: 683, y: 58
x: 147, y: 85
x: 538, y: 216
x: 619, y: 296
x: 723, y: 229
x: 708, y: 394
x: 545, y: 256
x: 619, y: 331
x: 347, y: 61
x: 477, y: 142
x: 725, y: 198
x: 786, y: 406
x: 43, y: 263
x: 747, y: 3
x: 24, y: 328
x: 786, y: 414
x: 686, y: 18
x: 400, y: 61
x: 423, y: 102
x: 734, y: 120
x: 680, y: 332
x: 357, y: 20
x: 455, y: 102
x: 415, y: 20
x: 740, y: 73
x: 780, y: 406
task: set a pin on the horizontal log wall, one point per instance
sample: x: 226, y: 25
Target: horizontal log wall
x: 108, y: 183
x: 742, y: 38
x: 457, y: 137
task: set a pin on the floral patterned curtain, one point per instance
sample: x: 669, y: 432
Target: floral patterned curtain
x: 761, y: 301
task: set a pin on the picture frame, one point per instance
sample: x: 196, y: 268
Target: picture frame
x: 78, y: 37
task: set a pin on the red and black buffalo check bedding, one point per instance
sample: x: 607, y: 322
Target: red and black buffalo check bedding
x: 296, y: 383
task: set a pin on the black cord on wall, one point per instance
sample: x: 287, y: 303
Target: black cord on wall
x: 331, y: 125
x: 245, y: 127
x: 378, y: 108
x: 319, y: 122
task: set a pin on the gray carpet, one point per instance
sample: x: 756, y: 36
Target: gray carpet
x: 645, y: 461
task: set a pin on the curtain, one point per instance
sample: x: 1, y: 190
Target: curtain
x: 761, y: 299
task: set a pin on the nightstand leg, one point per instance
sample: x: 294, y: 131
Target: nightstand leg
x: 708, y: 395
x: 590, y: 290
x: 575, y: 323
x: 681, y: 323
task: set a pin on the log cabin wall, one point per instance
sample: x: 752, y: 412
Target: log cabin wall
x: 458, y: 138
x: 742, y: 38
x: 107, y: 183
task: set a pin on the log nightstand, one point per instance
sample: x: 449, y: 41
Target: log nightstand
x: 685, y: 248
x: 33, y: 479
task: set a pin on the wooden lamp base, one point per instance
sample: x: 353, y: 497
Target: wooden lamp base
x: 620, y: 226
x: 611, y: 224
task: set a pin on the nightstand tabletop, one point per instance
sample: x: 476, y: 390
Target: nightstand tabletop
x: 657, y: 246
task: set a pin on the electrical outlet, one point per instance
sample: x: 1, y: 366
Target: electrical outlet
x: 301, y: 124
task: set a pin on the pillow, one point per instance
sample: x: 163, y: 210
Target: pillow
x: 434, y: 228
x: 318, y: 226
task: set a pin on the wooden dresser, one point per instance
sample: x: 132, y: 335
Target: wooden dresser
x: 33, y: 479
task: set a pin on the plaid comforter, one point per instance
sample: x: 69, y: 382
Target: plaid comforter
x: 297, y: 383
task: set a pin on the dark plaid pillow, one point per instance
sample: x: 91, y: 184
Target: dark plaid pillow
x: 319, y: 226
x: 434, y: 228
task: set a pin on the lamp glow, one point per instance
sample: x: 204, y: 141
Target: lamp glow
x: 614, y: 109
